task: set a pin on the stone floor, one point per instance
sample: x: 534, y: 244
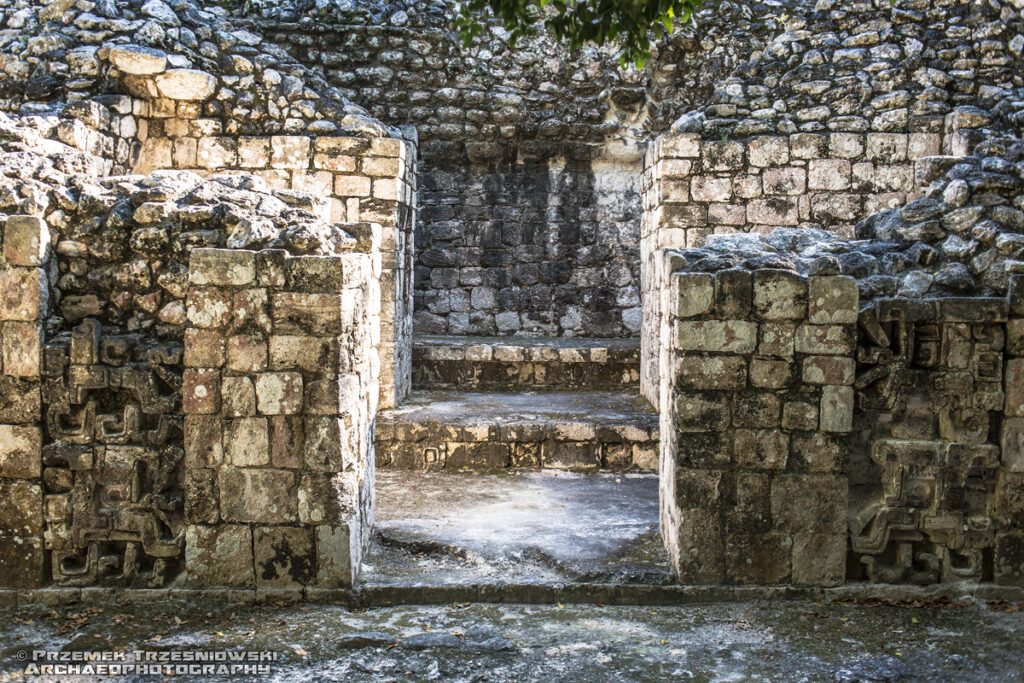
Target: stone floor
x: 750, y: 641
x: 524, y: 526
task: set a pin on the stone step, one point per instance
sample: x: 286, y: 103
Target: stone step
x: 448, y: 430
x: 511, y: 363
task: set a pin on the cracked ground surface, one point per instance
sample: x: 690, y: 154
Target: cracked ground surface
x: 749, y: 641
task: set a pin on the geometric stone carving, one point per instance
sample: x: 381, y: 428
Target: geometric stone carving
x: 930, y: 385
x: 113, y: 470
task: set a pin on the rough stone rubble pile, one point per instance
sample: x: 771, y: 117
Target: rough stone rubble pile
x: 74, y: 50
x: 859, y: 66
x: 123, y: 241
x: 964, y: 237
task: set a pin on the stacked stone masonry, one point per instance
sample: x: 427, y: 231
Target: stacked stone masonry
x: 757, y: 407
x: 279, y: 395
x: 209, y: 283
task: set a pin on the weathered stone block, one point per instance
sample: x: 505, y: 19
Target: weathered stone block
x: 202, y: 499
x: 784, y: 181
x: 20, y: 400
x: 829, y: 370
x: 289, y: 152
x: 208, y: 307
x: 776, y: 339
x: 718, y: 336
x: 285, y: 556
x: 768, y: 151
x: 800, y: 415
x: 697, y: 488
x: 279, y: 393
x: 21, y: 348
x: 253, y: 152
x: 829, y: 174
x: 680, y: 145
x: 26, y: 240
x: 335, y: 546
x: 1015, y: 387
x: 300, y: 313
x: 323, y: 444
x: 836, y: 409
x: 1013, y: 444
x: 810, y: 503
x: 770, y: 374
x: 203, y: 441
x: 222, y: 267
x: 712, y: 373
x: 832, y: 300
x: 701, y: 558
x: 825, y: 339
x: 887, y: 148
x: 246, y: 353
x: 22, y: 294
x: 23, y: 562
x: 722, y: 155
x: 1009, y: 558
x: 817, y: 452
x: 695, y: 414
x: 204, y: 348
x: 734, y: 294
x: 310, y: 354
x: 845, y: 145
x: 756, y: 410
x: 571, y: 455
x: 323, y: 498
x: 819, y: 559
x: 216, y: 152
x: 238, y: 399
x: 696, y: 294
x: 219, y: 555
x: 200, y: 391
x: 766, y: 449
x: 20, y: 451
x: 808, y: 146
x: 247, y: 441
x: 21, y: 508
x: 708, y: 449
x: 257, y: 496
x: 185, y: 84
x: 710, y: 189
x: 1015, y: 337
x: 779, y: 295
x: 287, y: 441
x: 773, y: 211
x: 758, y: 559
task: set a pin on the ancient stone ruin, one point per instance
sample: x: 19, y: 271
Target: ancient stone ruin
x: 782, y: 267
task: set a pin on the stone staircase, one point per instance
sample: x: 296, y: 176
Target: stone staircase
x: 489, y: 404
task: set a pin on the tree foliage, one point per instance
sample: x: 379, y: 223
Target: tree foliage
x: 628, y: 24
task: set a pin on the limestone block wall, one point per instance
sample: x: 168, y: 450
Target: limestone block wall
x: 353, y: 180
x: 695, y: 187
x: 24, y: 305
x: 279, y: 396
x: 756, y: 404
x: 110, y: 128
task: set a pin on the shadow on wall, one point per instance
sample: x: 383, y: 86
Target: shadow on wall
x: 530, y: 249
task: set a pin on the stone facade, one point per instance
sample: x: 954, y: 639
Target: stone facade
x: 214, y: 261
x: 279, y: 395
x: 756, y: 409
